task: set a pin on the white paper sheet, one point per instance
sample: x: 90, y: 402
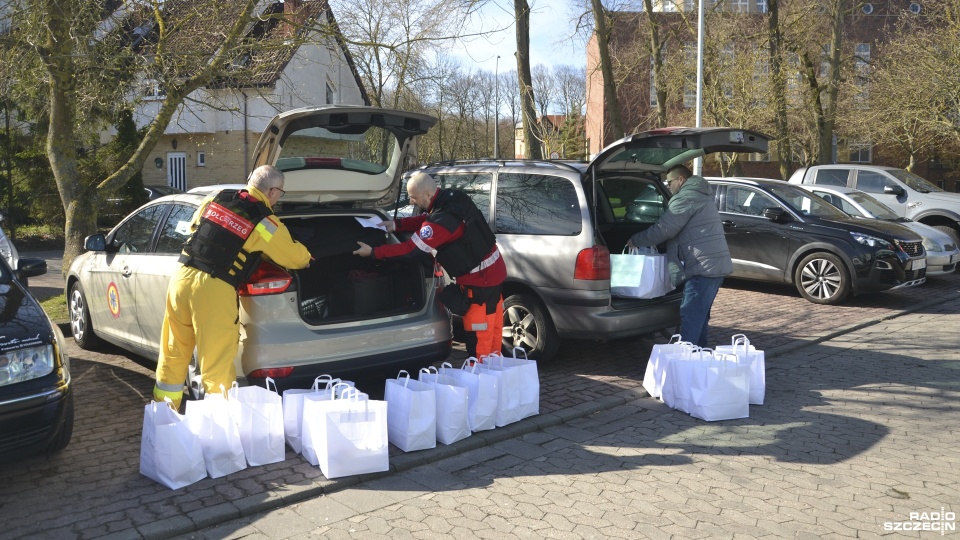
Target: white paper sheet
x: 373, y: 223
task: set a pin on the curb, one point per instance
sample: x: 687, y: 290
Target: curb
x: 292, y: 494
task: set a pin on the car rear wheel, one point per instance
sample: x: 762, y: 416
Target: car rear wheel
x: 949, y: 231
x: 80, y: 325
x: 822, y: 278
x: 527, y: 324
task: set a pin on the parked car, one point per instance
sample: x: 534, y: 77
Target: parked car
x: 23, y: 267
x: 781, y: 233
x: 557, y: 223
x: 36, y: 394
x: 907, y: 194
x: 942, y: 252
x: 8, y: 251
x: 343, y: 314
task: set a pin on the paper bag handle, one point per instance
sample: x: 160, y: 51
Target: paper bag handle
x: 406, y: 376
x: 320, y: 378
x: 470, y: 364
x: 268, y: 381
x: 524, y: 351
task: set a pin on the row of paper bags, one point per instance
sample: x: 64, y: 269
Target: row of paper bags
x: 449, y: 404
x: 708, y: 384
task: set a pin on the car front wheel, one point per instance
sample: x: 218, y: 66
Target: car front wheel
x: 80, y: 325
x: 527, y: 324
x: 822, y: 278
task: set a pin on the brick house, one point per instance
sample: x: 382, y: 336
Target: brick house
x: 210, y: 138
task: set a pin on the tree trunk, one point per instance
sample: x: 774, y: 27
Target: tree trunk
x: 659, y: 77
x: 611, y: 103
x: 527, y: 102
x: 784, y: 154
x: 829, y: 117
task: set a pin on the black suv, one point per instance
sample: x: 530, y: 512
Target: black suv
x: 779, y: 232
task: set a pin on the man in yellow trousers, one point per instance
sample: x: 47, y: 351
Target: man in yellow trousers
x: 231, y: 232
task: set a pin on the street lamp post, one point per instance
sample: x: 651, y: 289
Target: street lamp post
x: 496, y: 110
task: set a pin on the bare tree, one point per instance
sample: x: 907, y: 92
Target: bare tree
x: 571, y: 87
x: 531, y: 135
x: 544, y: 88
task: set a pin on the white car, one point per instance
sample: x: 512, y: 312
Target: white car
x: 942, y: 251
x: 8, y: 251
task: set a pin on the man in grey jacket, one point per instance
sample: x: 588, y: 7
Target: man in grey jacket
x: 697, y: 252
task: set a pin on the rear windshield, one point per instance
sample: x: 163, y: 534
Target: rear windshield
x: 317, y: 148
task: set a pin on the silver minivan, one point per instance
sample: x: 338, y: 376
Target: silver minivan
x: 558, y: 222
x: 341, y: 315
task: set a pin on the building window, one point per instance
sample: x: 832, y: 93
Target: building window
x: 740, y: 6
x: 861, y: 152
x: 668, y: 6
x: 151, y: 89
x: 690, y: 84
x: 689, y: 6
x: 201, y: 159
x: 759, y: 157
x: 861, y: 74
x: 329, y: 94
x: 653, y: 85
x: 761, y: 6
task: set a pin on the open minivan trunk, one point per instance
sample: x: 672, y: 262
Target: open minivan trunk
x: 339, y: 286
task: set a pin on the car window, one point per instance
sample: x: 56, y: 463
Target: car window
x: 832, y: 177
x: 537, y: 204
x: 134, y: 235
x: 806, y: 203
x: 916, y: 182
x: 846, y: 206
x: 747, y: 201
x: 873, y: 182
x: 875, y: 207
x: 633, y: 200
x: 176, y: 229
x: 475, y: 185
x: 317, y: 148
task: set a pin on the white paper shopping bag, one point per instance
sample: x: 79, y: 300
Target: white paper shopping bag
x: 309, y: 442
x: 349, y: 434
x: 509, y: 384
x: 293, y: 407
x: 211, y: 420
x: 749, y: 356
x: 682, y: 366
x: 412, y: 413
x: 169, y: 452
x: 656, y: 370
x: 259, y: 416
x: 639, y: 274
x: 453, y: 405
x: 483, y: 391
x: 720, y: 389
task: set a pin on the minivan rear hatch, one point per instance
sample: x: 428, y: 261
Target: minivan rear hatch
x: 342, y: 155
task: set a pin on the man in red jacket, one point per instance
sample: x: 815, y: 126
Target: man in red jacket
x: 454, y: 230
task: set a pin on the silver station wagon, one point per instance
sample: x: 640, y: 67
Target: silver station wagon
x: 344, y: 314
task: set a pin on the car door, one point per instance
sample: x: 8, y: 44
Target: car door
x: 877, y: 183
x: 153, y: 275
x: 111, y: 285
x: 758, y: 245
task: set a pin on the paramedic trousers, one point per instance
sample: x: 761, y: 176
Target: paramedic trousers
x: 484, y: 329
x: 202, y: 311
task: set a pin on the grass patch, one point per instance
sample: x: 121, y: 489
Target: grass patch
x: 56, y: 309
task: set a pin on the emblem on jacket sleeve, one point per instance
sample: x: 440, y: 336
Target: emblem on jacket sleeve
x: 426, y: 231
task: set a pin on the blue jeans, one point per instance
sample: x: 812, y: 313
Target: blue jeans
x: 698, y: 295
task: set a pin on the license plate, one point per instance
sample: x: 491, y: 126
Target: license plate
x: 918, y: 264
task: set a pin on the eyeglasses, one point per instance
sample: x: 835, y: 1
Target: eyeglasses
x: 282, y: 192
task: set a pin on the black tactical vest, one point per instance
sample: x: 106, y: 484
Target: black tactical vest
x: 467, y: 252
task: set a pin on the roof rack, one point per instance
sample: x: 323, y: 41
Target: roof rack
x: 563, y: 164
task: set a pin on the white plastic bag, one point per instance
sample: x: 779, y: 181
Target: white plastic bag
x: 656, y: 371
x: 636, y: 274
x: 453, y: 405
x: 259, y: 416
x: 412, y: 413
x: 349, y: 434
x: 483, y: 391
x: 211, y: 420
x: 169, y: 452
x: 752, y: 358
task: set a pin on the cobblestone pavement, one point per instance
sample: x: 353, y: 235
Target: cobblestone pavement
x: 857, y: 433
x: 99, y: 491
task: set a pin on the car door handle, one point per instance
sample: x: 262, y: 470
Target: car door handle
x: 126, y: 272
x: 728, y: 223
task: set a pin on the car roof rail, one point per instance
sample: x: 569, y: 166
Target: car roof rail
x: 565, y: 164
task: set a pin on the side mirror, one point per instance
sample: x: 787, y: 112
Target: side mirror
x: 776, y: 214
x: 892, y: 190
x: 30, y: 267
x: 95, y: 242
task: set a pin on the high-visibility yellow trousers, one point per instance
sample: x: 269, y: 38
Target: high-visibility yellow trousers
x: 202, y: 312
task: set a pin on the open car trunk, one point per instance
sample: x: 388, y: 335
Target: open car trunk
x: 339, y: 286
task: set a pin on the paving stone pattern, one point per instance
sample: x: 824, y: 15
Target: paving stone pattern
x: 94, y: 489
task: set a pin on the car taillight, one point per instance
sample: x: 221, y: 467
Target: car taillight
x: 593, y: 263
x: 267, y: 279
x: 273, y: 373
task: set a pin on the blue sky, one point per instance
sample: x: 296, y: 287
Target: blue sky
x: 550, y: 41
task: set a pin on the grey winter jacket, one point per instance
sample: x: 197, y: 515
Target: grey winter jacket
x: 693, y: 233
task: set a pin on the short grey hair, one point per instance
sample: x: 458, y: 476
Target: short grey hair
x: 682, y: 170
x: 265, y: 177
x: 421, y: 181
